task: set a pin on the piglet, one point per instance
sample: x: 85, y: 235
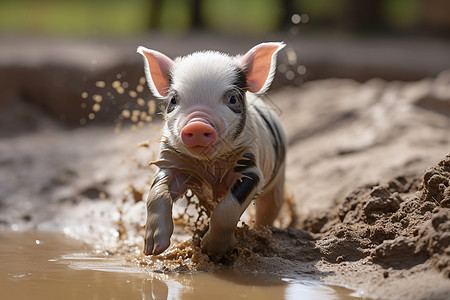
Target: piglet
x: 219, y: 140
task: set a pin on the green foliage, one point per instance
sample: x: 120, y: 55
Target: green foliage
x: 74, y: 17
x: 247, y: 16
x: 402, y: 13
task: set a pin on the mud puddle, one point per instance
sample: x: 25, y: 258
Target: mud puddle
x: 38, y: 265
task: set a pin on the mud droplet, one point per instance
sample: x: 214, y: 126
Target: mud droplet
x: 126, y: 113
x: 139, y: 88
x: 91, y: 116
x: 84, y: 95
x: 97, y: 98
x: 151, y: 107
x: 115, y: 84
x: 141, y: 101
x: 132, y: 94
x: 100, y: 84
x: 96, y: 107
x: 142, y: 80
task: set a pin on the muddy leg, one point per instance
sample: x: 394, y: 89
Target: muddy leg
x: 159, y: 226
x: 220, y: 236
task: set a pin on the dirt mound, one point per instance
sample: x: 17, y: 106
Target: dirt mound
x: 400, y: 224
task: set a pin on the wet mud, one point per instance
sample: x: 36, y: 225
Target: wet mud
x: 368, y: 175
x: 43, y: 265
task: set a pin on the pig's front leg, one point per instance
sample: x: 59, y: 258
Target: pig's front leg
x: 166, y: 187
x: 220, y: 236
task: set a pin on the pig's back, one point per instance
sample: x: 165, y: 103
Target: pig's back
x: 266, y: 135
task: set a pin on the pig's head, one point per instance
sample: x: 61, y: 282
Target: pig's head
x: 205, y: 93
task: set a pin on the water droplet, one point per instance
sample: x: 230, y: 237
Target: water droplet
x: 295, y: 18
x: 301, y: 70
x: 292, y: 56
x: 282, y: 68
x: 290, y: 75
x: 304, y: 18
x: 38, y: 242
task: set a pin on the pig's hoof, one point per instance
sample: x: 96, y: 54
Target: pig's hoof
x: 156, y: 241
x: 216, y: 246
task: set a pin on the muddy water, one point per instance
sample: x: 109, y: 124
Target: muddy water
x: 50, y: 266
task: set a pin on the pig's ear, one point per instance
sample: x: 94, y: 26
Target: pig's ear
x: 157, y: 71
x: 259, y: 65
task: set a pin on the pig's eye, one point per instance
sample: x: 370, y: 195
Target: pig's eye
x: 234, y: 103
x: 172, y: 104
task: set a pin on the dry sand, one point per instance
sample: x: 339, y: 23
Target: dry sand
x: 368, y: 168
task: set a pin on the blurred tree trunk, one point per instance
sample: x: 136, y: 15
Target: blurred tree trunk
x: 196, y: 13
x: 362, y: 15
x: 287, y: 10
x: 155, y: 13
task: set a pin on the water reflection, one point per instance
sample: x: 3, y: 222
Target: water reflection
x: 58, y: 268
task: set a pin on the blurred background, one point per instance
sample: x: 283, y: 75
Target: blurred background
x: 85, y: 18
x: 52, y: 50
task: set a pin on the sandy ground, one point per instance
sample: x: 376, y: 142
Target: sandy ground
x: 368, y: 169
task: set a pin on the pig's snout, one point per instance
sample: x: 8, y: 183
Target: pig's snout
x: 198, y: 135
